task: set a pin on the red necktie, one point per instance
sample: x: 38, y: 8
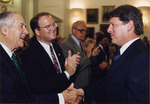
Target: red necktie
x: 82, y: 49
x: 54, y: 60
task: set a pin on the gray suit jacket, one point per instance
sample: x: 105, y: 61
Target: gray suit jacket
x: 81, y: 77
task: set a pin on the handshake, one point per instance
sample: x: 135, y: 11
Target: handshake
x: 72, y: 95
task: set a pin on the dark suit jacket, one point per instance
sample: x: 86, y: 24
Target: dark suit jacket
x: 96, y: 71
x: 40, y: 70
x: 13, y: 86
x: 128, y: 79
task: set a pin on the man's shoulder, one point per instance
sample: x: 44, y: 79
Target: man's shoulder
x: 67, y: 41
x: 31, y: 50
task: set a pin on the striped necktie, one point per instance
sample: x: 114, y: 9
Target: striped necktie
x: 55, y: 60
x: 82, y: 49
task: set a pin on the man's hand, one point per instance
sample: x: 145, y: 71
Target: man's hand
x: 72, y: 62
x: 96, y: 51
x: 78, y: 57
x: 80, y: 94
x: 103, y: 65
x: 88, y: 49
x: 70, y: 94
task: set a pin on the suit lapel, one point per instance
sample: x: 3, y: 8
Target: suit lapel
x: 76, y: 47
x: 118, y: 63
x: 47, y: 60
x: 12, y: 70
x: 42, y: 54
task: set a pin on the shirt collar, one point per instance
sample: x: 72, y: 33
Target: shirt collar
x: 100, y: 46
x: 76, y: 40
x: 8, y: 51
x: 125, y: 46
x: 45, y: 45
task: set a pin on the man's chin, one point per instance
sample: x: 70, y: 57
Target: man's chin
x: 21, y: 45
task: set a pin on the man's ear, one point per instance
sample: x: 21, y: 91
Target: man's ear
x: 130, y: 25
x: 4, y: 29
x: 73, y: 30
x: 37, y: 31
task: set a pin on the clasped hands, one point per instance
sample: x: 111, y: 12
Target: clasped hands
x: 72, y: 95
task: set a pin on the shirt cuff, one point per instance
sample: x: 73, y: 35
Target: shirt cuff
x: 61, y: 98
x: 67, y: 74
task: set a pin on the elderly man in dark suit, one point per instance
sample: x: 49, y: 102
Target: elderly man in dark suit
x: 43, y: 61
x: 13, y: 85
x: 128, y: 79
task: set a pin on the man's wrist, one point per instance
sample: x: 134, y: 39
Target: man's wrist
x: 67, y: 74
x: 61, y: 98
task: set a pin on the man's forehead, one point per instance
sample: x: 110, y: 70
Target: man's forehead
x: 45, y: 18
x: 81, y: 26
x: 19, y: 19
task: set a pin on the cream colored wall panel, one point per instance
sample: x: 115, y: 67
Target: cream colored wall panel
x: 12, y: 6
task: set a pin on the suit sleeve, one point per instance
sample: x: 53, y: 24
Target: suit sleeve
x: 14, y: 91
x: 95, y: 90
x: 41, y: 77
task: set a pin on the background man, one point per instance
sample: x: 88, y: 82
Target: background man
x: 74, y: 42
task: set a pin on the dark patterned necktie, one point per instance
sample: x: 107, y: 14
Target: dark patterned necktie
x: 82, y: 49
x: 17, y: 64
x: 54, y: 60
x: 15, y: 61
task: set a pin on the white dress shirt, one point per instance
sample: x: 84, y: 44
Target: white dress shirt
x: 8, y: 51
x: 125, y: 46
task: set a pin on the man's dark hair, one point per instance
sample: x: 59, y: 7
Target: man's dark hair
x: 34, y: 21
x: 99, y: 37
x: 127, y: 13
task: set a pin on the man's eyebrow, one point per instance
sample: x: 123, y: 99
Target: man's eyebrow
x: 22, y: 23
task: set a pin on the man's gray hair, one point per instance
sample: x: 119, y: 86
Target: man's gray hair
x: 7, y: 18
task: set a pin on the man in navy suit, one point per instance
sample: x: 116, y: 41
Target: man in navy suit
x: 38, y: 61
x: 128, y: 79
x: 13, y: 85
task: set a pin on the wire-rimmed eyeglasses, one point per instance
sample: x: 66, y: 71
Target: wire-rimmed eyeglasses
x: 81, y: 30
x: 50, y: 26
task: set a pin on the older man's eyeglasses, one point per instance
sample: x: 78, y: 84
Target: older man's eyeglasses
x: 50, y: 26
x: 81, y: 30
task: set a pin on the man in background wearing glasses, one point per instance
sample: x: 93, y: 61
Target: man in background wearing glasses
x: 74, y: 42
x: 43, y: 62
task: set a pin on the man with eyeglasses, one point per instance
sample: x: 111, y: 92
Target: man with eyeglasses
x: 43, y: 62
x: 74, y: 42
